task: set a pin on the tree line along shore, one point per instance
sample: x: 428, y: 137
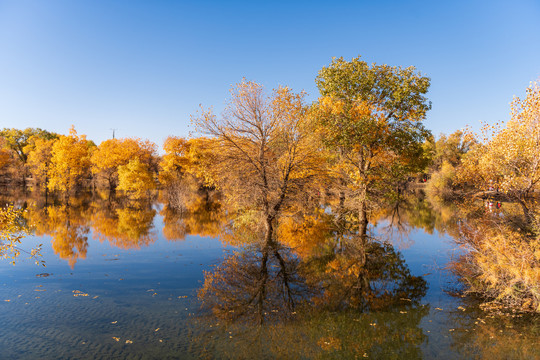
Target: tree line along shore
x: 361, y: 143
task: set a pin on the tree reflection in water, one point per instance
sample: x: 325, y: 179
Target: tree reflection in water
x: 255, y: 284
x: 312, y: 294
x: 126, y: 227
x: 198, y: 216
x: 66, y: 224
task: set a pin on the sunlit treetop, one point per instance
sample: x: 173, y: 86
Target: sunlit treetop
x: 70, y: 161
x: 399, y: 93
x: 508, y: 157
x: 21, y: 141
x: 112, y: 153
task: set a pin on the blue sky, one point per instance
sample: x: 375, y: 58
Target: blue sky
x: 143, y: 67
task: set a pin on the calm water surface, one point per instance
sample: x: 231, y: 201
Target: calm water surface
x: 121, y: 283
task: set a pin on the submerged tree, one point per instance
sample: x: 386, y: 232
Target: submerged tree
x: 113, y: 153
x: 40, y: 161
x: 262, y: 149
x: 70, y: 162
x: 21, y: 143
x: 508, y: 158
x: 370, y: 120
x: 183, y: 173
x: 136, y: 179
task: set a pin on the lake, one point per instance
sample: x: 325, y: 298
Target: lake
x: 144, y: 282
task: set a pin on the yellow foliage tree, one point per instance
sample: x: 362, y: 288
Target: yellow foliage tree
x: 5, y: 156
x: 70, y: 162
x: 136, y: 179
x: 12, y: 231
x: 370, y: 119
x: 39, y: 160
x: 112, y: 153
x: 502, y: 264
x: 262, y: 150
x: 185, y: 156
x: 508, y: 158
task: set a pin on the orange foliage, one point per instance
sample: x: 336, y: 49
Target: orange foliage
x: 70, y: 161
x: 113, y: 153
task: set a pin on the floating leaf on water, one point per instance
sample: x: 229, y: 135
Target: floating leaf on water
x: 79, y: 293
x: 114, y: 322
x: 129, y: 342
x: 116, y: 338
x: 43, y: 275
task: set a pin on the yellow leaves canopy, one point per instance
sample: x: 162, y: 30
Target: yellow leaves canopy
x: 136, y: 179
x: 508, y: 158
x: 40, y: 158
x: 113, y: 153
x: 186, y: 156
x: 70, y: 161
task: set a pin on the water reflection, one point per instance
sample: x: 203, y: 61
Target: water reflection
x: 313, y: 278
x: 123, y: 227
x: 69, y: 226
x: 257, y: 284
x: 310, y: 292
x: 199, y: 215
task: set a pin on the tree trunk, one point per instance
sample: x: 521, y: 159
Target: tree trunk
x: 363, y: 281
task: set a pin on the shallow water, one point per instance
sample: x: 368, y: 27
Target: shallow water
x: 104, y: 295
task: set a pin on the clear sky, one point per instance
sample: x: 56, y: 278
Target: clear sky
x: 142, y: 67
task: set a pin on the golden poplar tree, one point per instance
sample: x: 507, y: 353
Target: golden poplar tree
x: 112, y: 153
x: 70, y: 162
